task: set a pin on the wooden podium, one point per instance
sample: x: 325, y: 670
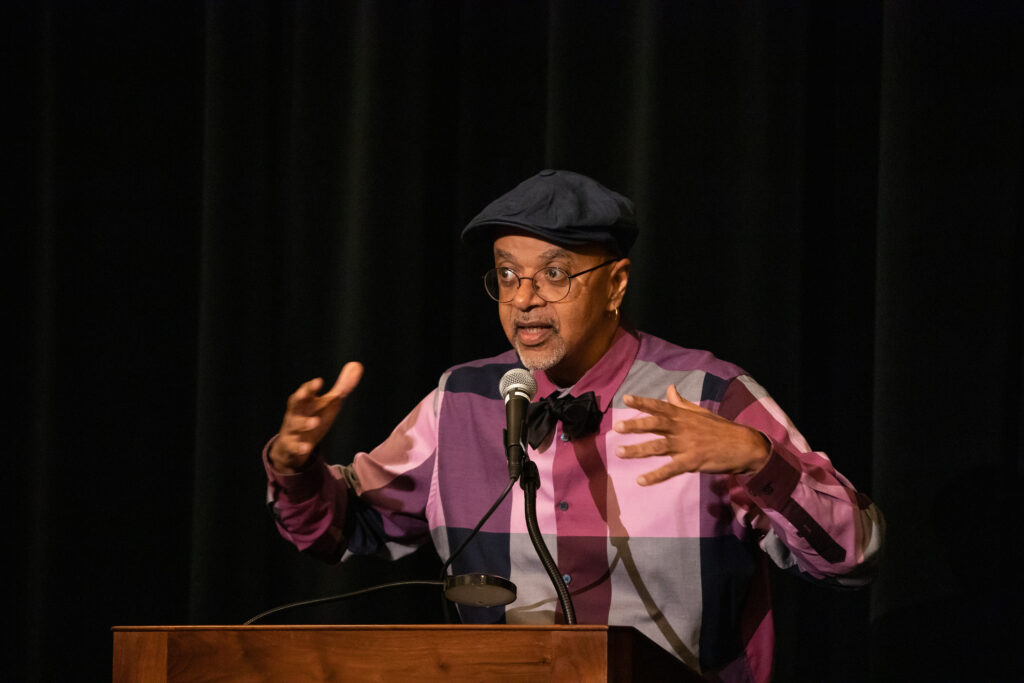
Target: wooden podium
x: 390, y: 653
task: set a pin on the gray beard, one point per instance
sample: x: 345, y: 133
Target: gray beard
x: 543, y: 360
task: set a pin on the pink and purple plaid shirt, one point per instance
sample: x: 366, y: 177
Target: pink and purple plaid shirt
x: 682, y: 561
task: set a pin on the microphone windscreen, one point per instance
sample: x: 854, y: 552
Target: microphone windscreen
x: 517, y: 379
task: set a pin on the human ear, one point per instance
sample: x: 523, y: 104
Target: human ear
x: 618, y: 280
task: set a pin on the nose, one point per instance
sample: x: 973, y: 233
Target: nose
x: 526, y: 296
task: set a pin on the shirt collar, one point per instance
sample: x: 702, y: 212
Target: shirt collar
x: 606, y: 376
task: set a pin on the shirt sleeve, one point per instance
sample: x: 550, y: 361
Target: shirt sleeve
x: 377, y: 505
x: 808, y: 517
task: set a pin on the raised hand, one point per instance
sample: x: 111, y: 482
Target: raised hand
x: 309, y: 416
x: 692, y: 438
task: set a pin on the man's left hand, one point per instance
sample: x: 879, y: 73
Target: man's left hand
x: 694, y: 439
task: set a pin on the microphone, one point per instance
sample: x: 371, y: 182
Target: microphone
x: 517, y: 387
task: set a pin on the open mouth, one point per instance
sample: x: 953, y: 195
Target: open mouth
x: 533, y: 333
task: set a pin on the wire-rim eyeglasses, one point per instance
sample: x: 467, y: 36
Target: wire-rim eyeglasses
x: 551, y: 283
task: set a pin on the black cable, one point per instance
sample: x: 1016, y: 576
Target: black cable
x: 343, y: 596
x: 448, y: 562
x: 420, y: 582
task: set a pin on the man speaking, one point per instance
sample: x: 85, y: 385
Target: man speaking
x: 669, y: 478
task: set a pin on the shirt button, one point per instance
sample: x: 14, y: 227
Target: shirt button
x: 563, y: 506
x: 567, y: 579
x: 564, y: 437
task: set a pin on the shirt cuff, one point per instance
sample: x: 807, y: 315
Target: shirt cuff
x: 772, y: 486
x: 302, y: 485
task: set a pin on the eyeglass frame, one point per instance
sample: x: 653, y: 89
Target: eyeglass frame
x: 533, y: 279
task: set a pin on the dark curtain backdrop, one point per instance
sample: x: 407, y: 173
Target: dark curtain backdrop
x: 210, y: 202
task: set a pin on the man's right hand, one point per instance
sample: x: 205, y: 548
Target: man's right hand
x: 309, y: 417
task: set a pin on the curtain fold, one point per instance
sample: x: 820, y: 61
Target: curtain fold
x: 948, y: 337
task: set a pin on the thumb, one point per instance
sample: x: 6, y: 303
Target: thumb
x: 347, y: 380
x: 673, y: 397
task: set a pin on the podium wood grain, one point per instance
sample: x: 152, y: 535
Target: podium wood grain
x: 388, y: 653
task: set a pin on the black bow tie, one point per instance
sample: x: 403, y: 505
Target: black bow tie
x: 580, y: 416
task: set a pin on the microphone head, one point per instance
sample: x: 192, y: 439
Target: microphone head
x: 517, y: 380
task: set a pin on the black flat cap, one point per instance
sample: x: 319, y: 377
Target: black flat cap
x: 561, y: 207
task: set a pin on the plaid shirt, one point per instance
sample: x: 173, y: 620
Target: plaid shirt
x: 683, y: 561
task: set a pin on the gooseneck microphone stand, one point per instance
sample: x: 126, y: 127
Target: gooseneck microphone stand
x: 530, y: 482
x: 518, y: 388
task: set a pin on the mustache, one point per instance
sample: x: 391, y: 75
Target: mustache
x: 533, y: 322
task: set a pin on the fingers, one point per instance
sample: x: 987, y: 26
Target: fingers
x: 309, y: 414
x: 294, y: 443
x: 298, y: 426
x: 661, y: 474
x: 306, y: 391
x: 307, y: 400
x: 678, y: 463
x: 652, y: 406
x: 693, y: 439
x: 642, y: 425
x: 665, y: 416
x: 645, y: 449
x: 347, y: 380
